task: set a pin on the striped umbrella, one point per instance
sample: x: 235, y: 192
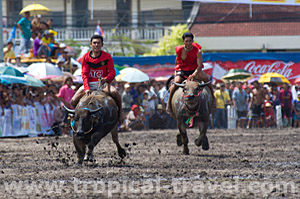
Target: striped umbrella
x: 273, y: 78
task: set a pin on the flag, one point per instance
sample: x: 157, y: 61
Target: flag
x: 12, y: 34
x: 99, y: 30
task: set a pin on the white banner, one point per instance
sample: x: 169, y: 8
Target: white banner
x: 269, y: 2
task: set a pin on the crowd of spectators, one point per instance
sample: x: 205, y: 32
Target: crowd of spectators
x: 256, y: 105
x: 37, y: 41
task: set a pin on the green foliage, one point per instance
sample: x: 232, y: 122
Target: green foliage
x: 168, y: 42
x: 130, y: 47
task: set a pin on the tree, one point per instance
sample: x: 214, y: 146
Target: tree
x: 168, y: 42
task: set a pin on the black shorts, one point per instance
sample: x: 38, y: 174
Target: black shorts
x: 241, y: 114
x: 286, y: 112
x: 257, y: 110
x: 184, y: 74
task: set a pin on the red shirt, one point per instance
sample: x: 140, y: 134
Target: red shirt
x: 93, y: 68
x: 190, y: 62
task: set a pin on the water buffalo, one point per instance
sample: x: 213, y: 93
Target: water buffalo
x: 93, y: 118
x: 192, y: 104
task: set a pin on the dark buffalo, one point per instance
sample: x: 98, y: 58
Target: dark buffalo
x: 93, y: 118
x: 193, y: 102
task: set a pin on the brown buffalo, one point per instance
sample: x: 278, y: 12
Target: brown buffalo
x: 192, y: 101
x: 94, y: 117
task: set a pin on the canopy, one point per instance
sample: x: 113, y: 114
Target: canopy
x: 44, y: 70
x: 274, y: 78
x: 35, y: 9
x: 237, y: 75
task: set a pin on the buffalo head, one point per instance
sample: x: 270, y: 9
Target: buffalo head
x: 84, y: 120
x: 191, y: 92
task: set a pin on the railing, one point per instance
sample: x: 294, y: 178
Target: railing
x: 84, y: 34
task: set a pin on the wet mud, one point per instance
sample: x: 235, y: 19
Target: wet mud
x: 254, y: 163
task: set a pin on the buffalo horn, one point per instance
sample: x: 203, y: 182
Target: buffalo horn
x: 204, y: 84
x: 95, y: 111
x: 69, y: 110
x: 179, y: 85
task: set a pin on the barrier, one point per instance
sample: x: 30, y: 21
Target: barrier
x: 231, y: 117
x: 278, y: 116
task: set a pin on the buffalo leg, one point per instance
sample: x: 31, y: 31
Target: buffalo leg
x: 202, y: 138
x: 184, y: 138
x: 179, y: 139
x: 80, y: 150
x: 114, y: 134
x: 95, y: 139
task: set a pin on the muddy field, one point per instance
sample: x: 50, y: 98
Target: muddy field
x: 240, y: 164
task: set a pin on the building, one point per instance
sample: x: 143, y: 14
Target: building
x: 243, y: 27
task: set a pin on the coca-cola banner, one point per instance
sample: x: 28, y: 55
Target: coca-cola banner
x: 290, y: 70
x: 217, y: 64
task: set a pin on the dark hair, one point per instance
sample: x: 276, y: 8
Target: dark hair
x: 67, y: 79
x: 97, y: 37
x: 26, y: 12
x: 187, y: 34
x: 10, y: 42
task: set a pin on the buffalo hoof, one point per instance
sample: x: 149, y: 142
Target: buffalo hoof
x: 205, y: 144
x: 78, y: 164
x: 198, y: 142
x: 122, y: 153
x: 178, y: 140
x: 88, y: 158
x: 186, y: 151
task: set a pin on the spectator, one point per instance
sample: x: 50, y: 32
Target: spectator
x: 296, y: 111
x: 159, y: 119
x: 151, y: 98
x: 147, y: 110
x: 44, y: 49
x: 126, y: 99
x: 50, y: 23
x: 25, y: 27
x: 222, y: 98
x: 256, y: 103
x: 65, y: 95
x: 239, y: 97
x: 269, y: 120
x: 285, y: 98
x: 35, y: 23
x: 162, y: 94
x: 140, y: 90
x: 134, y: 119
x: 8, y: 52
x: 37, y: 43
x: 43, y: 26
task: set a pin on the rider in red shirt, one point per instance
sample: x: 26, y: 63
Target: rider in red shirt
x: 98, y: 64
x: 189, y: 64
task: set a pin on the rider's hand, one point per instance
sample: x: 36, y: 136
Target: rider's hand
x: 88, y: 92
x: 192, y: 77
x: 103, y: 81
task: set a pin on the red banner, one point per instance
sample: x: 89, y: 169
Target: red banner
x: 290, y: 70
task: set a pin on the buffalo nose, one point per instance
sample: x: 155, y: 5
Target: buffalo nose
x: 191, y: 96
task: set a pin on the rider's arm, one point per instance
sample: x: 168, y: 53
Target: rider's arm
x: 85, y: 74
x: 111, y: 70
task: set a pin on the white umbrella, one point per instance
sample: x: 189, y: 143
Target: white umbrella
x: 74, y: 62
x: 132, y: 75
x: 77, y: 72
x: 44, y: 70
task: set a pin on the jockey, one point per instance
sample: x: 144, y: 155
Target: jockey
x: 98, y: 64
x: 188, y: 64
